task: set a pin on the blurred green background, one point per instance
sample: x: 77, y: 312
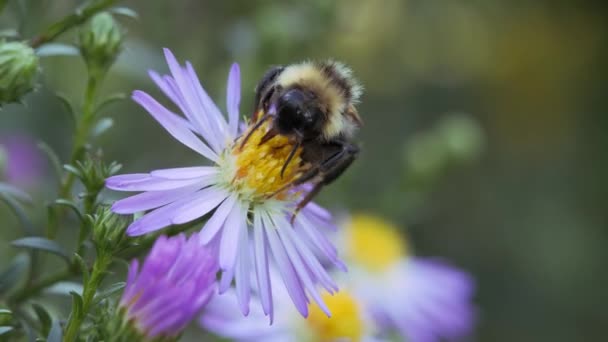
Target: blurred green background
x: 521, y: 206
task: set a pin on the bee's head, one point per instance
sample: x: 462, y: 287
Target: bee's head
x: 298, y: 112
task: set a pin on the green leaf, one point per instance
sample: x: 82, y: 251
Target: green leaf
x: 68, y: 106
x: 18, y: 210
x: 76, y: 304
x: 110, y: 291
x: 83, y: 267
x: 5, y: 312
x: 73, y: 170
x: 71, y: 205
x: 110, y: 100
x: 43, y: 317
x: 12, y: 274
x: 52, y: 156
x: 40, y: 243
x: 125, y: 11
x: 5, y: 330
x: 15, y: 192
x: 56, y: 333
x: 102, y: 126
x: 64, y: 288
x: 57, y: 49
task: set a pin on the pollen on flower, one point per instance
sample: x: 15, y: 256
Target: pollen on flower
x: 258, y: 166
x: 374, y: 243
x: 345, y: 322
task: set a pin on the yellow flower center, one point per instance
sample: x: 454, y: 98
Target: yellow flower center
x: 373, y: 243
x: 345, y: 322
x: 258, y: 165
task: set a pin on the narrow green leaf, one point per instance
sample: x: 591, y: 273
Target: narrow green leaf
x: 56, y: 333
x: 102, y: 126
x: 52, y: 156
x: 83, y: 267
x: 64, y: 288
x: 76, y: 304
x: 15, y: 192
x: 18, y: 210
x: 108, y: 292
x: 110, y: 100
x: 72, y: 169
x: 71, y: 205
x: 68, y: 106
x: 5, y: 312
x: 13, y: 273
x: 5, y: 330
x: 125, y: 11
x: 57, y: 49
x: 43, y: 317
x: 40, y: 243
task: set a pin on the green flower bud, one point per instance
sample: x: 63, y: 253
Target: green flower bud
x: 18, y: 67
x: 100, y: 41
x: 108, y: 230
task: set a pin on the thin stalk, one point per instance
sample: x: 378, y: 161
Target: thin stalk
x: 72, y: 20
x: 90, y: 288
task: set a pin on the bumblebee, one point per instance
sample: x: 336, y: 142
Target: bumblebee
x: 313, y: 104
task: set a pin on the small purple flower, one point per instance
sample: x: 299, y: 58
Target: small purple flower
x: 244, y: 189
x: 177, y: 279
x: 23, y: 164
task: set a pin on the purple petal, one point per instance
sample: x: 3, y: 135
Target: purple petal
x: 145, y: 182
x: 214, y: 116
x: 298, y: 265
x: 215, y: 223
x: 229, y: 244
x: 185, y: 172
x: 193, y: 110
x: 290, y: 278
x: 242, y: 272
x: 206, y: 201
x: 226, y: 280
x: 166, y: 86
x: 312, y: 262
x: 261, y: 265
x: 233, y: 98
x: 160, y: 217
x: 173, y: 124
x: 150, y: 200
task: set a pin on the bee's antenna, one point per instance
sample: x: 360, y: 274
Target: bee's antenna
x: 253, y: 129
x: 290, y: 156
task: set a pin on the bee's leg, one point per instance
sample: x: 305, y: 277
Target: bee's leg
x: 327, y: 172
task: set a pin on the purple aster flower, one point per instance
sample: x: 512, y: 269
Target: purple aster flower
x: 423, y: 299
x: 177, y: 279
x: 243, y: 188
x: 21, y: 162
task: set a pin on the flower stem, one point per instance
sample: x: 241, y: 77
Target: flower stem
x: 90, y: 288
x: 82, y: 130
x: 72, y: 20
x: 80, y: 139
